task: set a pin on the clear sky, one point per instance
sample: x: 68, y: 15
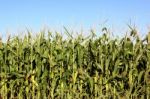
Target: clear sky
x: 19, y: 14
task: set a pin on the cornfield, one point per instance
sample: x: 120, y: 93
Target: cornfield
x: 92, y: 67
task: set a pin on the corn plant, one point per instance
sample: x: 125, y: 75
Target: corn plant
x: 47, y: 66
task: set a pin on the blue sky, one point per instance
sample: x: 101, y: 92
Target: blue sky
x: 18, y: 14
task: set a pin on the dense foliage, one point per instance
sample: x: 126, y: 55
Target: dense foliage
x: 83, y: 67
